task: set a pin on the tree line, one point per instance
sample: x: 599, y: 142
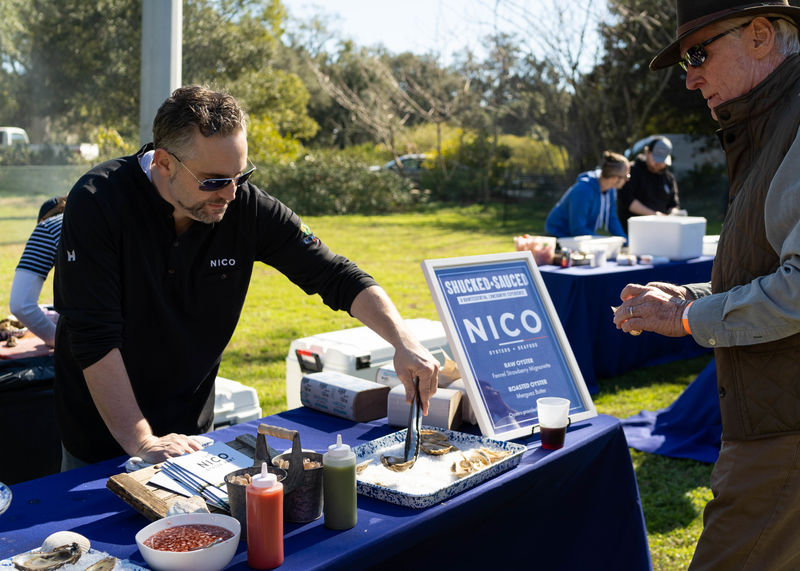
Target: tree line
x: 525, y: 107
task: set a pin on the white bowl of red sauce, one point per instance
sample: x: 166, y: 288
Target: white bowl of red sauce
x: 189, y: 542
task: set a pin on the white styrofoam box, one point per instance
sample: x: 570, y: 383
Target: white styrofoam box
x: 234, y: 403
x: 589, y: 243
x: 710, y: 245
x: 358, y: 351
x: 674, y: 237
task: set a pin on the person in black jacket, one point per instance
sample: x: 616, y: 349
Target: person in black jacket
x: 652, y: 189
x: 156, y: 254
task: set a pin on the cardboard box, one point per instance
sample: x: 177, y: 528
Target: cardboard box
x: 467, y: 413
x: 387, y: 376
x: 343, y: 395
x: 359, y: 352
x: 444, y: 409
x: 674, y: 237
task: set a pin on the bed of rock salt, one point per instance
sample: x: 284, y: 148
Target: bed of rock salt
x: 428, y: 474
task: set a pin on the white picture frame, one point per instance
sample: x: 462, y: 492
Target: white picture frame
x: 507, y: 340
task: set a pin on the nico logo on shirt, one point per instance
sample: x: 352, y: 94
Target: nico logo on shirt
x: 222, y: 262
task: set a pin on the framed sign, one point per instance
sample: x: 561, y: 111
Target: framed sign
x: 507, y: 339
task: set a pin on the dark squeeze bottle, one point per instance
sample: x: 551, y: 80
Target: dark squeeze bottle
x: 339, y: 486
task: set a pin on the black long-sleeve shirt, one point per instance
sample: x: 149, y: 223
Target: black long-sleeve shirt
x: 658, y: 191
x: 169, y: 303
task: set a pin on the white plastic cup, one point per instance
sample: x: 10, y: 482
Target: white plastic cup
x: 600, y: 257
x: 553, y: 420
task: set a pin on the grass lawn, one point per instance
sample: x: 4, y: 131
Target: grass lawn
x: 391, y: 248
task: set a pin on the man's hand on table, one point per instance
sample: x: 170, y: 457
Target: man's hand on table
x: 155, y: 449
x: 656, y: 307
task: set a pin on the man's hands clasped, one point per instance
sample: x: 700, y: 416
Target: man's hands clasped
x: 656, y: 307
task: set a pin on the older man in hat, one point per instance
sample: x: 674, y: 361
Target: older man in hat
x: 651, y: 188
x: 743, y: 58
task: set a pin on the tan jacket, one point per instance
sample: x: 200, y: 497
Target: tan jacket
x: 752, y: 319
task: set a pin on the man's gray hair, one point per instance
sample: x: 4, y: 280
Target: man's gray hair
x: 786, y: 32
x: 786, y: 37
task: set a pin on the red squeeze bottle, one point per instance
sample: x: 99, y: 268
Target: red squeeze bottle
x: 264, y: 521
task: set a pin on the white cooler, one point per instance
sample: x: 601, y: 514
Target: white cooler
x: 673, y: 237
x: 359, y: 352
x: 234, y: 403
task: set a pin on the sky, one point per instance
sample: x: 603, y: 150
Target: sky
x: 420, y: 26
x: 442, y: 27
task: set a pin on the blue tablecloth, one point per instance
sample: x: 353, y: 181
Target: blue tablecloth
x: 690, y: 427
x: 576, y: 508
x: 583, y: 296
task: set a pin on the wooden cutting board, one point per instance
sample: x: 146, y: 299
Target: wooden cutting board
x: 29, y: 345
x: 154, y: 502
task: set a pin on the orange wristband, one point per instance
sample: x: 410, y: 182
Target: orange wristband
x: 685, y: 318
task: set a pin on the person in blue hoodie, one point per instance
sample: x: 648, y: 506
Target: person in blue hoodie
x: 590, y: 205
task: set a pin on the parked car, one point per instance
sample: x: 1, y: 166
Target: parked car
x: 13, y: 136
x: 10, y: 136
x: 411, y: 165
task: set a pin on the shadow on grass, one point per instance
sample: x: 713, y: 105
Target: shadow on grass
x: 666, y: 487
x: 683, y: 371
x: 673, y: 490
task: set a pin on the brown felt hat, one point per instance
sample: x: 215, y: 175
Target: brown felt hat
x: 695, y: 14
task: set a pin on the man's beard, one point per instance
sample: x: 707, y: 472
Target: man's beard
x: 198, y: 211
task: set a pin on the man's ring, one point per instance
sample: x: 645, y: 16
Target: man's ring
x: 630, y: 311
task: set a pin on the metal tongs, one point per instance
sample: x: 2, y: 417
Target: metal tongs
x: 395, y: 463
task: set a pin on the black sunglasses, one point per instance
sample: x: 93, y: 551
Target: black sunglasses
x: 696, y: 55
x: 213, y: 184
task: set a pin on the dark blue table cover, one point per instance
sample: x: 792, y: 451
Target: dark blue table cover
x: 583, y: 296
x: 576, y: 508
x: 691, y: 427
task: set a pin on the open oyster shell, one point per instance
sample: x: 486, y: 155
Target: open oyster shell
x: 46, y: 560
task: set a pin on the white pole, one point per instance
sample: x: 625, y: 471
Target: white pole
x: 161, y: 59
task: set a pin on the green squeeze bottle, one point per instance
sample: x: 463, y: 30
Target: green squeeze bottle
x: 339, y: 486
